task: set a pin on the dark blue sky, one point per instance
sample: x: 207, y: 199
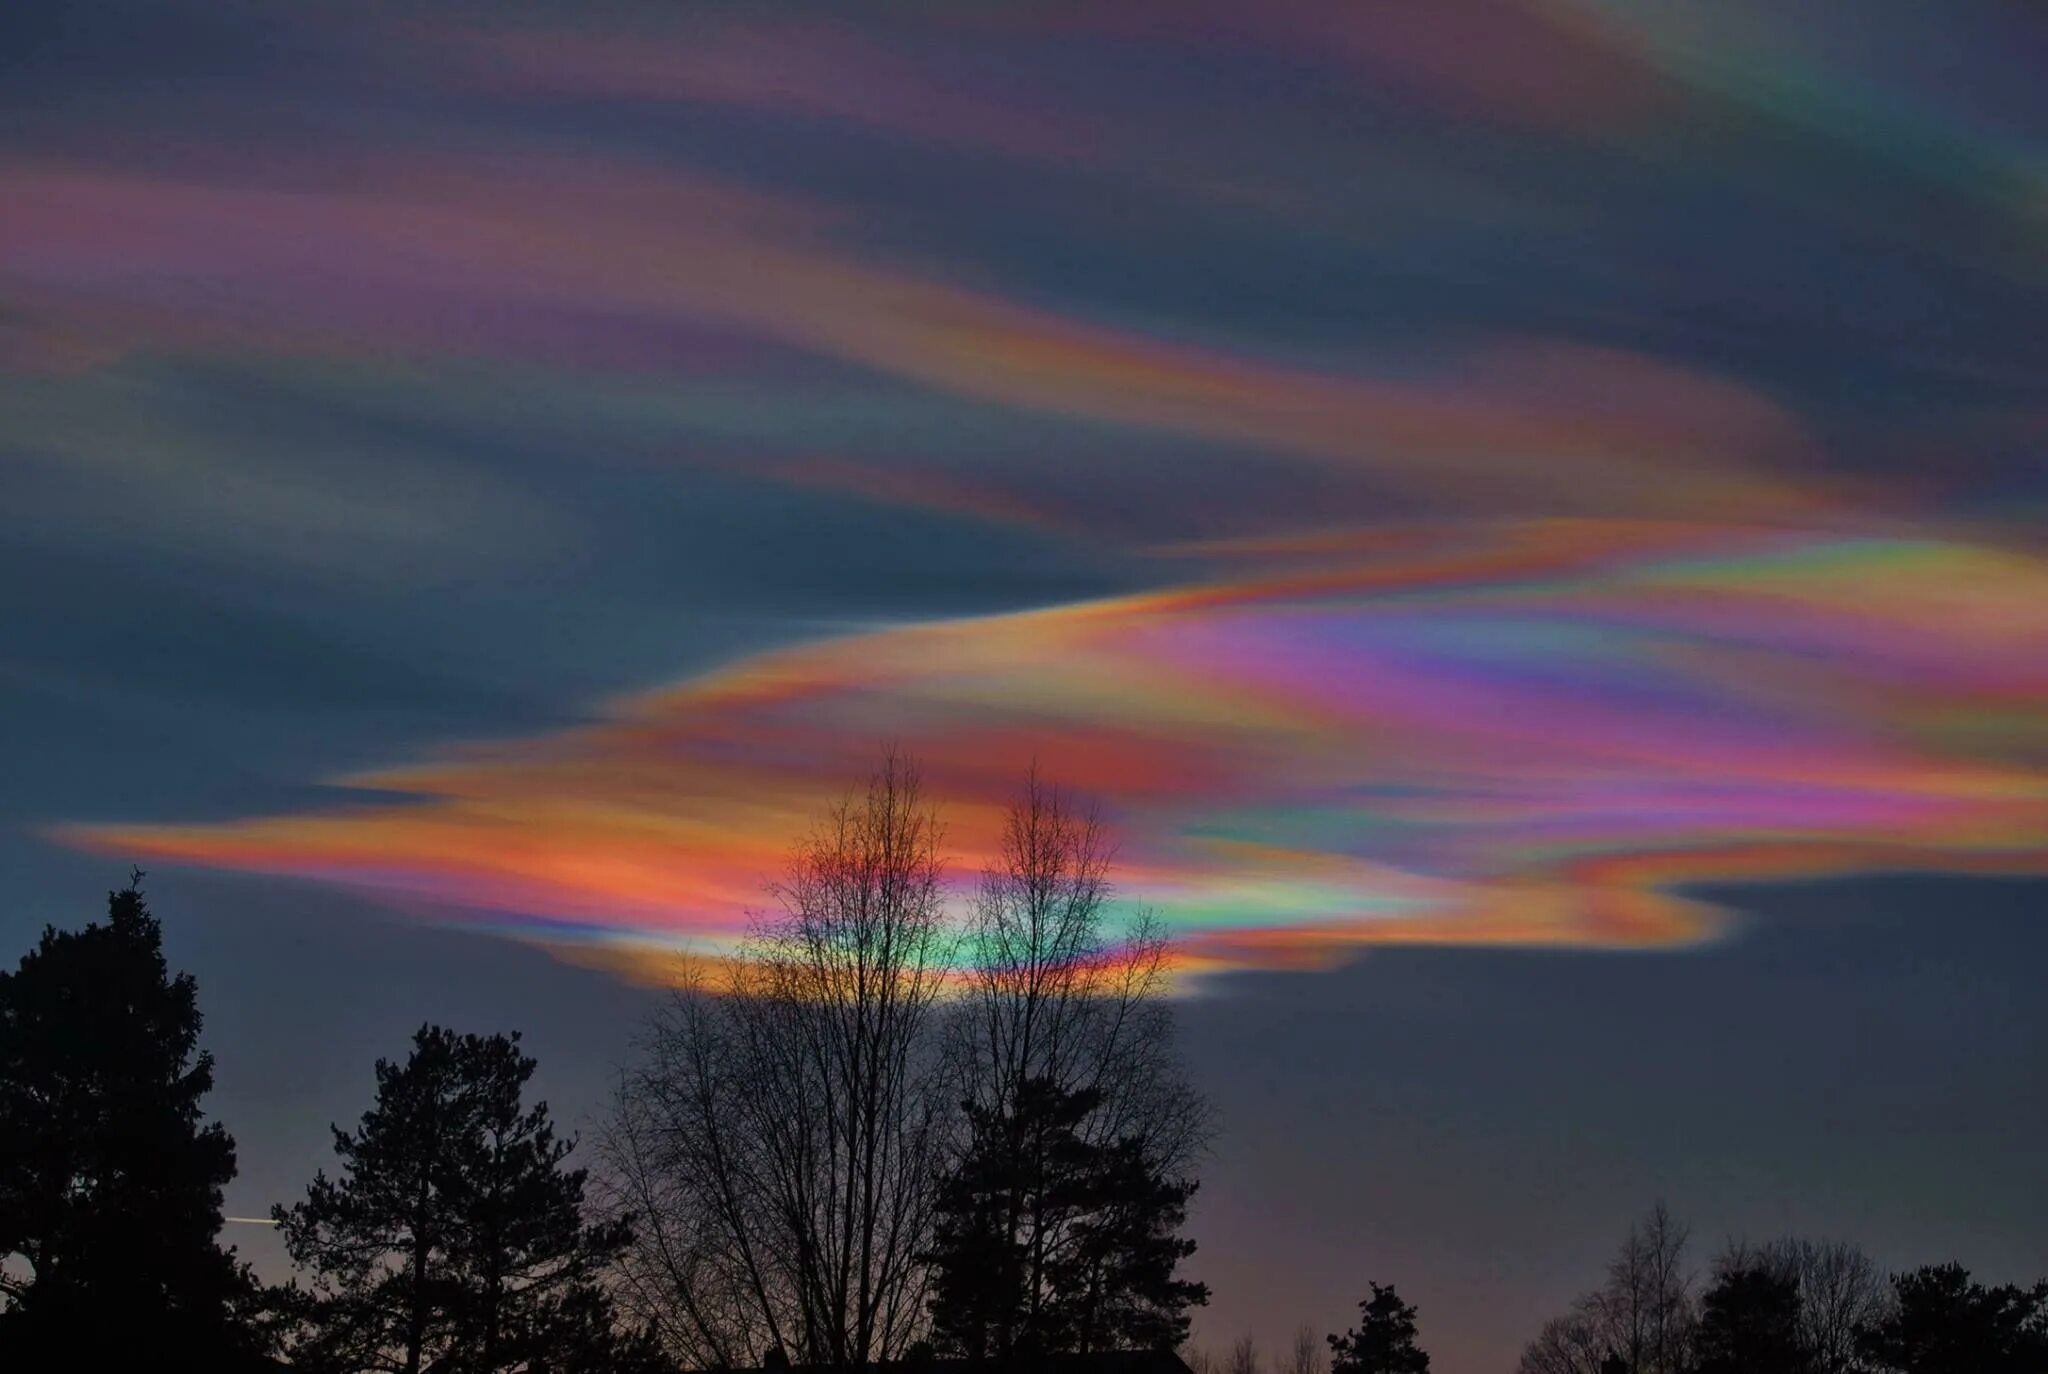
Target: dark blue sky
x: 1527, y: 516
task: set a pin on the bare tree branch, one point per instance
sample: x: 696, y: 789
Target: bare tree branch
x: 779, y: 1140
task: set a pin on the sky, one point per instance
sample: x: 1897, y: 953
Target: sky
x: 1526, y: 517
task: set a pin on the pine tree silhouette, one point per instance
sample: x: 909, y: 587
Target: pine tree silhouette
x: 454, y: 1238
x: 110, y: 1184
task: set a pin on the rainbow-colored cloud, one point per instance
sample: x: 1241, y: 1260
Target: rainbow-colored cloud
x: 1554, y: 454
x: 1537, y: 733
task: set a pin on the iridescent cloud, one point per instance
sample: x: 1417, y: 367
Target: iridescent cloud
x: 1608, y: 427
x: 424, y: 255
x: 1543, y: 733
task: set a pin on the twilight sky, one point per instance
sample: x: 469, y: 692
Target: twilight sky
x: 1527, y: 516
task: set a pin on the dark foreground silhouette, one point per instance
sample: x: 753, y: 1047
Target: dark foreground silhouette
x: 110, y: 1183
x: 1788, y: 1307
x: 820, y: 1162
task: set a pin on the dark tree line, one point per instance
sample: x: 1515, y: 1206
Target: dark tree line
x: 875, y: 1134
x: 1790, y: 1307
x: 452, y: 1240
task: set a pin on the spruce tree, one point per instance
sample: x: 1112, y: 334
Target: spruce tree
x: 1749, y: 1324
x: 1383, y: 1342
x: 453, y: 1239
x: 110, y: 1183
x: 1048, y: 1243
x: 1118, y: 1284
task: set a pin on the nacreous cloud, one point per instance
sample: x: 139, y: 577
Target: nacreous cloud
x: 1538, y: 733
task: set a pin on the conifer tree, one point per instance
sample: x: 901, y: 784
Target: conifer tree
x: 110, y: 1182
x: 1749, y: 1324
x: 1048, y: 1242
x: 453, y: 1239
x: 1383, y: 1342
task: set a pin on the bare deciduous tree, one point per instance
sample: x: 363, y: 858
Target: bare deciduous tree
x: 1054, y: 995
x: 1572, y: 1344
x: 1646, y: 1307
x: 1841, y: 1292
x: 779, y: 1140
x: 1642, y: 1318
x: 1244, y: 1357
x: 1308, y: 1355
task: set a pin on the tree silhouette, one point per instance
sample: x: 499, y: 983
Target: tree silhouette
x: 1051, y: 992
x: 110, y: 1188
x: 790, y: 1140
x: 1306, y: 1355
x: 1749, y: 1324
x: 1642, y: 1316
x: 1090, y: 1263
x: 1646, y: 1306
x: 984, y: 1302
x: 1942, y: 1323
x: 1383, y: 1342
x: 1062, y: 1047
x: 454, y: 1238
x: 1571, y: 1344
x: 780, y: 1140
x: 1120, y: 1278
x: 1841, y: 1293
